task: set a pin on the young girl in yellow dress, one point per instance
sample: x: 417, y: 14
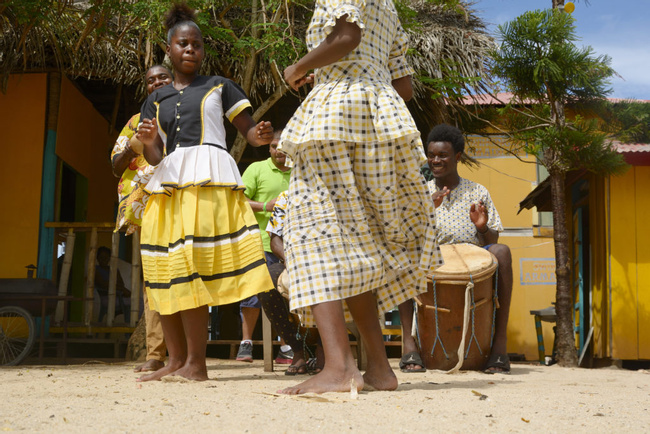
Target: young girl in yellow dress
x: 360, y: 223
x: 201, y: 244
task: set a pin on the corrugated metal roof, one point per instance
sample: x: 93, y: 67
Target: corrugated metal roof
x: 623, y: 148
x: 505, y: 97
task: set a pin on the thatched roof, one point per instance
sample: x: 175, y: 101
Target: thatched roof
x: 79, y: 40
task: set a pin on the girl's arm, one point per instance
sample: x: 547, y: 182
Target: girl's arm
x: 153, y: 144
x: 256, y: 135
x: 404, y: 87
x: 344, y: 38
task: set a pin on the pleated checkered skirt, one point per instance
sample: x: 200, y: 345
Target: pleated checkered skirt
x: 359, y: 219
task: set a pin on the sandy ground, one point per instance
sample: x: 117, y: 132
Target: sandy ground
x: 239, y: 397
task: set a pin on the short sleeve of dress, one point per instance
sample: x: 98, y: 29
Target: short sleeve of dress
x: 494, y: 220
x: 276, y: 223
x: 233, y: 99
x: 397, y: 63
x: 127, y: 132
x: 335, y: 9
x: 148, y: 109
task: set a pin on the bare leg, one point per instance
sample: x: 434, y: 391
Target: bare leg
x: 249, y: 320
x: 408, y: 341
x: 340, y: 369
x: 504, y: 285
x: 176, y: 345
x: 195, y: 325
x: 379, y: 374
x: 156, y: 349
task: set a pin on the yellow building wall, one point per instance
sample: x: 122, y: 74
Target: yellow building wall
x: 509, y: 180
x: 22, y: 123
x: 630, y: 264
x: 84, y: 141
x: 599, y: 266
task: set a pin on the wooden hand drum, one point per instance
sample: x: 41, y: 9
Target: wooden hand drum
x: 461, y: 293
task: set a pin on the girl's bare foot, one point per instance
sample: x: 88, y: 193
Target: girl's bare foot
x: 380, y: 379
x: 170, y: 368
x: 149, y: 366
x: 192, y: 372
x: 327, y: 381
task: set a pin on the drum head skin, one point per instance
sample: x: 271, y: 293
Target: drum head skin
x: 463, y: 260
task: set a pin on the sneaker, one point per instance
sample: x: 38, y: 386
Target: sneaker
x: 284, y: 357
x: 245, y: 353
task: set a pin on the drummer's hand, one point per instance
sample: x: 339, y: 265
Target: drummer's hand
x: 479, y: 216
x: 439, y: 195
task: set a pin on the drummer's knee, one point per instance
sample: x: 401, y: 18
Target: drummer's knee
x: 503, y: 255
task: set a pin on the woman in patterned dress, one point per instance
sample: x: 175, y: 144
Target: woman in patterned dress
x: 201, y: 244
x: 360, y: 223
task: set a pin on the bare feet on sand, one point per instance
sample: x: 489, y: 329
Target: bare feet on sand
x: 168, y: 369
x: 149, y: 366
x: 192, y: 372
x: 380, y: 379
x: 189, y: 371
x: 327, y: 381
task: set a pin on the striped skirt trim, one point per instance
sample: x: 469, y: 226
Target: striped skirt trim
x: 201, y: 246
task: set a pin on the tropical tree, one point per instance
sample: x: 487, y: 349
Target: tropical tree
x: 630, y: 120
x: 538, y: 61
x: 249, y: 41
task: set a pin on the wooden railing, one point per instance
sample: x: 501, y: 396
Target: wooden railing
x: 69, y: 231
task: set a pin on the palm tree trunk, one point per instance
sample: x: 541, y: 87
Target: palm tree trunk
x: 564, y: 335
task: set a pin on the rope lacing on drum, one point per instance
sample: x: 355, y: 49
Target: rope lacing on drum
x: 473, y: 309
x: 435, y: 303
x: 495, y: 302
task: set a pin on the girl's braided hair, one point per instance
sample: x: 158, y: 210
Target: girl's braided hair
x: 180, y: 15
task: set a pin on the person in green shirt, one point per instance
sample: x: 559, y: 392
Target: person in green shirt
x: 264, y: 181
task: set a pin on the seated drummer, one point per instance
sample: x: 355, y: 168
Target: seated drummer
x: 464, y: 214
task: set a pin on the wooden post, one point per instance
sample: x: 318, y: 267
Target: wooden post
x: 136, y: 280
x: 267, y: 342
x: 65, y: 274
x: 112, y: 279
x: 90, y: 280
x: 362, y: 357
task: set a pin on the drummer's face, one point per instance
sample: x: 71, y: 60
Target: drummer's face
x: 442, y: 159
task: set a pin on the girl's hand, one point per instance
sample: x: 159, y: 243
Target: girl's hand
x: 153, y: 144
x: 147, y: 131
x: 263, y: 133
x: 296, y: 78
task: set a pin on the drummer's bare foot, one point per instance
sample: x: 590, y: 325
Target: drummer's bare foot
x: 170, y: 368
x: 380, y: 379
x: 149, y: 366
x: 328, y: 381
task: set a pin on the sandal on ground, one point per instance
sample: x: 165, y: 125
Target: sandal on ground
x: 312, y: 366
x: 498, y: 364
x: 296, y: 369
x: 412, y: 358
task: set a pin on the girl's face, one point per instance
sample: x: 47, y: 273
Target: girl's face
x: 186, y: 50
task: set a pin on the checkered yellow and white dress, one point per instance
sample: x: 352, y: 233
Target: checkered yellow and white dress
x: 359, y: 216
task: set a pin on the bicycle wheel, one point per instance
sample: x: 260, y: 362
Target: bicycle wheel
x: 17, y: 335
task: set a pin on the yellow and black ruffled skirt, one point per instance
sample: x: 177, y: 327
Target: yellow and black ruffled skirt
x: 200, y: 241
